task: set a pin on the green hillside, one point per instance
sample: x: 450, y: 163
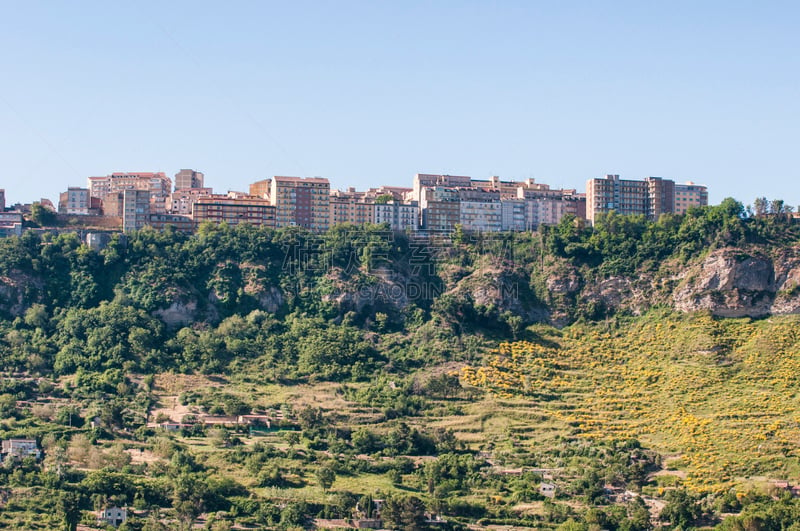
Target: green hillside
x: 572, y: 378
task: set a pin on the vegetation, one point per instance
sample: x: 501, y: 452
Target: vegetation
x: 384, y: 374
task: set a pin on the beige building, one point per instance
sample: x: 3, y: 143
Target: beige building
x: 158, y: 185
x: 690, y: 195
x: 233, y: 210
x: 180, y: 202
x: 422, y: 180
x: 186, y: 179
x: 75, y: 201
x: 350, y: 207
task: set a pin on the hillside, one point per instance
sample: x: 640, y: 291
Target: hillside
x: 719, y: 396
x: 642, y: 371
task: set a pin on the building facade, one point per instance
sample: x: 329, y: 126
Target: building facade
x: 614, y: 194
x: 650, y: 197
x: 158, y: 185
x: 301, y: 202
x: 440, y: 208
x: 689, y: 195
x: 75, y: 201
x: 187, y: 179
x: 399, y: 216
x: 135, y: 209
x: 180, y: 202
x: 233, y: 211
x: 350, y: 207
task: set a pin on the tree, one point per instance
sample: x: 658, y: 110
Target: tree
x: 69, y: 509
x: 41, y: 215
x: 325, y: 477
x: 681, y: 509
x: 407, y: 513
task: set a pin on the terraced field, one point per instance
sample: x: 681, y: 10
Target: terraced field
x: 722, y: 394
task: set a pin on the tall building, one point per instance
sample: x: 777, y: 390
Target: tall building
x: 301, y: 202
x: 614, y: 194
x: 660, y: 197
x: 480, y: 209
x: 2, y: 199
x: 399, y: 216
x: 186, y: 179
x: 350, y: 207
x: 233, y: 210
x: 690, y: 195
x: 440, y: 209
x: 135, y: 209
x: 513, y: 215
x: 650, y: 197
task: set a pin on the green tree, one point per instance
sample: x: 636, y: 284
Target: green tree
x: 325, y: 477
x: 69, y: 509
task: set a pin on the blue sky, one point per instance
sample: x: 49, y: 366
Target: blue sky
x: 369, y: 93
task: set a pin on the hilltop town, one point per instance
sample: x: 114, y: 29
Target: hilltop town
x: 435, y: 203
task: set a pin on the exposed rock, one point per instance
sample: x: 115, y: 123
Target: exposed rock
x: 502, y: 289
x: 738, y: 283
x: 18, y: 292
x: 178, y: 313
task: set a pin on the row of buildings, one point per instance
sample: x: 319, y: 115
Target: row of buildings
x: 433, y: 202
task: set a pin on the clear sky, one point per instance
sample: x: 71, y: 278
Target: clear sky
x: 369, y: 93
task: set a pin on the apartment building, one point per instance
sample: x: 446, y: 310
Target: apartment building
x: 136, y: 208
x: 422, y: 180
x: 546, y: 206
x: 660, y: 197
x: 180, y: 202
x: 620, y: 195
x: 261, y: 188
x: 350, y: 207
x: 440, y: 208
x: 187, y: 179
x: 234, y: 210
x: 302, y: 202
x: 398, y: 215
x: 480, y: 209
x: 650, y: 197
x: 513, y: 214
x: 178, y: 222
x: 158, y: 185
x: 690, y: 195
x: 75, y: 201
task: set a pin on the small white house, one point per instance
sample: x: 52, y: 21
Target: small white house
x: 548, y: 490
x: 20, y: 448
x: 112, y: 516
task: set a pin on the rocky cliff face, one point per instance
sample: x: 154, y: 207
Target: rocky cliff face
x: 740, y: 282
x: 754, y: 281
x: 730, y: 282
